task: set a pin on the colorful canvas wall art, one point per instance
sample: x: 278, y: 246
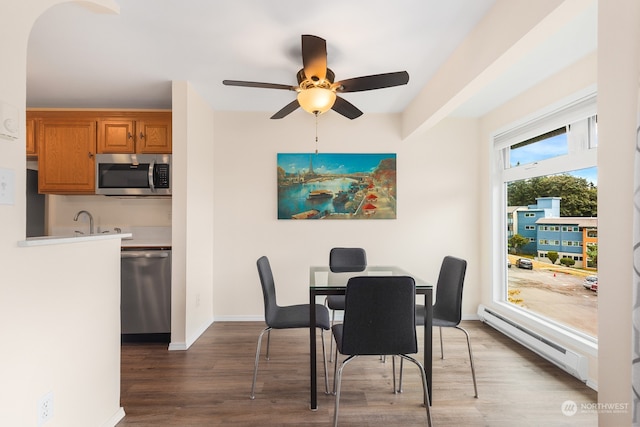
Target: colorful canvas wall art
x: 336, y: 186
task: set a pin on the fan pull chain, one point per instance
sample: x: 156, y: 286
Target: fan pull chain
x: 316, y: 114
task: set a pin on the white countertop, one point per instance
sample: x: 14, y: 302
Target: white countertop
x: 76, y: 238
x: 132, y: 237
x: 148, y: 237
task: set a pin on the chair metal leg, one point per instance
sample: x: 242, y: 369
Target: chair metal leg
x: 255, y: 367
x: 335, y: 371
x: 473, y: 371
x: 393, y: 368
x: 338, y: 381
x: 268, y: 342
x: 441, y: 356
x: 333, y: 318
x: 425, y: 389
x: 324, y: 359
x: 399, y: 389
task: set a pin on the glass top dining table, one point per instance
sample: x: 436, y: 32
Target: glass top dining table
x: 322, y: 281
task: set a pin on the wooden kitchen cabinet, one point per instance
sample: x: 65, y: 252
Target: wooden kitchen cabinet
x: 32, y: 129
x: 66, y: 156
x: 116, y: 136
x: 66, y: 141
x: 146, y: 134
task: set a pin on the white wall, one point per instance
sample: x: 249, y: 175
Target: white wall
x: 60, y: 314
x: 618, y: 76
x: 437, y: 193
x: 193, y: 214
x: 59, y: 305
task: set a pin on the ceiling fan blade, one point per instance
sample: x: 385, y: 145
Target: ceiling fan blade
x: 258, y: 84
x: 314, y: 57
x: 347, y: 109
x: 287, y: 109
x: 376, y: 81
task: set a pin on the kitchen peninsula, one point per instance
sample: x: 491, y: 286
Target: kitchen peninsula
x: 57, y: 240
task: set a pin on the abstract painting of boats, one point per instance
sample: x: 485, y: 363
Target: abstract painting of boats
x: 336, y: 186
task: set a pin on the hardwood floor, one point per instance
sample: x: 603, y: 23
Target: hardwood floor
x: 209, y: 384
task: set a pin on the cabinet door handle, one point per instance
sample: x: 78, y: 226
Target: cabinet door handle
x: 90, y: 154
x: 129, y: 136
x: 141, y: 135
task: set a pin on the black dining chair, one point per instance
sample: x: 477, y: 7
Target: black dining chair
x: 342, y: 260
x: 285, y: 317
x: 447, y: 310
x: 379, y: 319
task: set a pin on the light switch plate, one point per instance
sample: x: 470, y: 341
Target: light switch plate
x: 7, y: 186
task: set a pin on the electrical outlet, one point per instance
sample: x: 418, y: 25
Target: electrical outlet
x: 45, y: 408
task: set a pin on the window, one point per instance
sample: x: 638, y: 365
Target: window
x: 549, y: 165
x: 548, y: 145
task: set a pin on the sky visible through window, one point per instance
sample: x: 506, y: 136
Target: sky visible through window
x: 554, y: 146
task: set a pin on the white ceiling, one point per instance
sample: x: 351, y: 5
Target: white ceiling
x: 80, y: 59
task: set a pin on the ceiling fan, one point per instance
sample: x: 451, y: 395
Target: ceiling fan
x: 317, y: 91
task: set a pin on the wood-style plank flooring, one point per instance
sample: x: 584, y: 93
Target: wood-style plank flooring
x: 209, y: 385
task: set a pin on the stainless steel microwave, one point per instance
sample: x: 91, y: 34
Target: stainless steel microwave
x: 133, y: 174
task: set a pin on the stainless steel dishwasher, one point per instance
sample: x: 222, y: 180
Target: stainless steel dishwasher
x: 145, y: 307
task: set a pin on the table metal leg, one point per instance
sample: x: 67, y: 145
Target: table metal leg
x: 428, y: 343
x: 312, y: 350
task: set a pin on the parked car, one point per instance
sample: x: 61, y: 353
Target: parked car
x: 508, y: 263
x: 524, y: 263
x: 591, y: 283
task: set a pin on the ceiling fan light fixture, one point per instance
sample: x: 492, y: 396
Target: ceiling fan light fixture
x: 316, y: 99
x: 317, y: 88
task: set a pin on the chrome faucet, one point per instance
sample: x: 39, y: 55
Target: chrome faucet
x: 75, y: 218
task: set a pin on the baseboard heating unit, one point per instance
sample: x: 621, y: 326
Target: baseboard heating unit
x: 570, y: 361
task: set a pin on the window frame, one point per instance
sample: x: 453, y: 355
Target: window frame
x: 580, y: 114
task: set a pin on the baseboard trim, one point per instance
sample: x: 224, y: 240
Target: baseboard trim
x: 177, y: 346
x: 184, y: 345
x: 339, y: 314
x: 239, y: 318
x: 194, y: 337
x: 115, y: 418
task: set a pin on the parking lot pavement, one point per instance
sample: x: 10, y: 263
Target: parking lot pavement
x: 557, y: 295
